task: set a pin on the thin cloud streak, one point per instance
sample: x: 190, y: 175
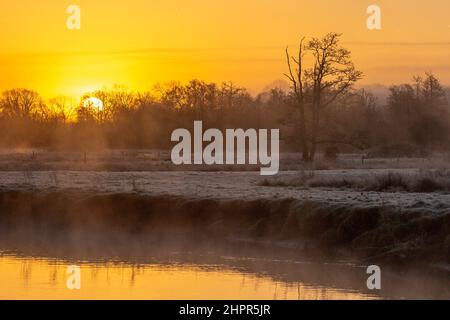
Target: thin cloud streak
x: 196, y: 50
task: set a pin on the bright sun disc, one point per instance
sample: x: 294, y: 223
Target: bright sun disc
x: 95, y: 103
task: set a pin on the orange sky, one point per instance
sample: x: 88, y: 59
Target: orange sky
x: 140, y: 42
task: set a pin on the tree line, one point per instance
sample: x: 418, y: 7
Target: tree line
x: 322, y: 111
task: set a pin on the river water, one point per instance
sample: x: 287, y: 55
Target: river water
x: 193, y: 275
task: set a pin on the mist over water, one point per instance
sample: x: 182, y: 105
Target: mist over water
x: 175, y: 263
x: 133, y: 245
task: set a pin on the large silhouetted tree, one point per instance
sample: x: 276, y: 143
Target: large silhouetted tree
x: 331, y: 75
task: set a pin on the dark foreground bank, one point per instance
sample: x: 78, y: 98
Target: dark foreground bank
x: 374, y: 233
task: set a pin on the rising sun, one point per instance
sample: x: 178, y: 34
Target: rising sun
x: 94, y: 103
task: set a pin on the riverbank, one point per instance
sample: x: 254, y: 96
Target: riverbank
x: 397, y: 227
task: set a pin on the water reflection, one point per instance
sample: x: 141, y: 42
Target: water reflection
x: 183, y: 270
x: 34, y: 278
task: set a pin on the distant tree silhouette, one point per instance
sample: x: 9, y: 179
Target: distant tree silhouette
x: 419, y: 111
x: 20, y: 103
x: 322, y: 112
x: 63, y: 108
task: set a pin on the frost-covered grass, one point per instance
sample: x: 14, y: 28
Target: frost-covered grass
x: 245, y: 186
x: 159, y: 160
x: 437, y: 180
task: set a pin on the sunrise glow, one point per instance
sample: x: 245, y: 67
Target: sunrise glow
x: 159, y: 41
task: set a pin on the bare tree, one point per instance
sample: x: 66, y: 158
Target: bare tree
x: 332, y: 75
x: 20, y: 103
x: 64, y: 108
x: 432, y: 90
x: 296, y: 78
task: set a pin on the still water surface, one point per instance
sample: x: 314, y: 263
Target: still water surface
x: 201, y: 274
x: 37, y: 278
